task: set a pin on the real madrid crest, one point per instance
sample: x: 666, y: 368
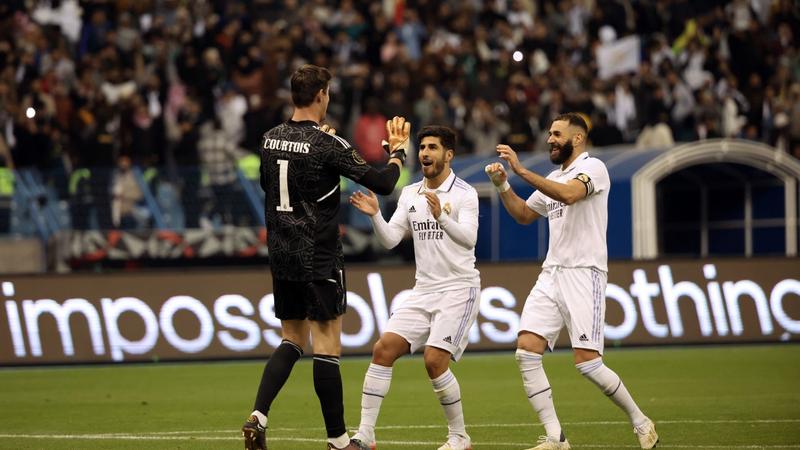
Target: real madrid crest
x: 447, y: 208
x: 357, y: 158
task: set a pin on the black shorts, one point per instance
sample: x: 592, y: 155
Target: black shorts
x: 317, y: 300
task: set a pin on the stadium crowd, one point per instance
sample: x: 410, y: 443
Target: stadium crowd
x: 83, y: 83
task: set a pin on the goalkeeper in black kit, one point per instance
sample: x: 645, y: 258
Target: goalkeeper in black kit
x: 301, y: 162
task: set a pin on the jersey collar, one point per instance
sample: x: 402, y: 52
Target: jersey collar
x: 302, y: 122
x: 580, y: 157
x: 444, y: 187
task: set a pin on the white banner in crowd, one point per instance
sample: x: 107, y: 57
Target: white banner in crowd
x: 618, y: 57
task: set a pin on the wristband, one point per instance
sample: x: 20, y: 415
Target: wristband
x: 399, y: 154
x: 503, y: 187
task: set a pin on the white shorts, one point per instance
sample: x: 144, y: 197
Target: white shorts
x: 439, y: 319
x: 575, y: 297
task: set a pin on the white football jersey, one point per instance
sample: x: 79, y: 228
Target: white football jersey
x: 442, y: 263
x: 577, y: 231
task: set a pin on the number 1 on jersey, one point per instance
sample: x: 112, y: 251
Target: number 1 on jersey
x: 283, y: 181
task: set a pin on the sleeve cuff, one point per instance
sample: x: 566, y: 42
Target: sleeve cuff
x: 443, y: 219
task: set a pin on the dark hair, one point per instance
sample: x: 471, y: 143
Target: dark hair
x: 445, y: 134
x: 307, y: 81
x: 573, y: 119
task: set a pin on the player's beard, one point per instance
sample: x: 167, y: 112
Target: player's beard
x: 563, y: 154
x: 433, y: 171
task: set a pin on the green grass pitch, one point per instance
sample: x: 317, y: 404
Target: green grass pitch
x: 722, y: 397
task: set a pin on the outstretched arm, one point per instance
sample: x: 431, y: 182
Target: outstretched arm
x: 514, y: 204
x: 381, y: 181
x: 567, y: 193
x: 389, y: 234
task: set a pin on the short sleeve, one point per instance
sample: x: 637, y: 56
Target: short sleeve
x: 538, y: 203
x: 594, y: 175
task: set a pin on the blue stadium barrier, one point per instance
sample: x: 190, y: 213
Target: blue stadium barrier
x: 149, y: 199
x: 255, y: 197
x: 44, y: 205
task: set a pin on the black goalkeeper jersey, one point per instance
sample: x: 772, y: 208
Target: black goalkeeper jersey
x: 300, y: 169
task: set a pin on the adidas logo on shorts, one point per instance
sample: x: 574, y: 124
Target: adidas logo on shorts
x: 583, y: 338
x: 412, y: 209
x: 448, y: 339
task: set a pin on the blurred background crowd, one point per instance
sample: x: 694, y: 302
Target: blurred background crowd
x: 194, y: 84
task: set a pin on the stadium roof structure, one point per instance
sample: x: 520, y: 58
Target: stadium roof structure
x: 633, y: 225
x: 746, y: 153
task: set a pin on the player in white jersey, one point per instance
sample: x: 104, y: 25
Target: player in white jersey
x: 441, y: 214
x: 571, y: 287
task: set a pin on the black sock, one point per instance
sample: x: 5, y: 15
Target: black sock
x: 328, y: 384
x: 276, y: 372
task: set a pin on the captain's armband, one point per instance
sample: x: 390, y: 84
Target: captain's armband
x: 587, y: 183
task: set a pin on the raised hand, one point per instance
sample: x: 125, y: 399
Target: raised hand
x: 399, y: 132
x: 497, y: 173
x: 507, y: 154
x: 367, y: 204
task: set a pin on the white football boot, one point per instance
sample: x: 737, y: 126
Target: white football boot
x: 551, y: 443
x: 457, y: 442
x: 646, y: 432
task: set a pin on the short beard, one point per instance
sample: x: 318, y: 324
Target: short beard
x: 564, y: 153
x: 438, y: 168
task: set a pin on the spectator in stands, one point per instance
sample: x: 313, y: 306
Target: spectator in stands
x: 683, y: 105
x: 34, y: 140
x: 127, y: 209
x: 622, y: 109
x: 184, y: 158
x: 146, y: 133
x: 657, y: 133
x: 424, y: 107
x: 218, y: 158
x: 484, y: 128
x: 370, y: 130
x: 231, y: 108
x: 602, y: 133
x: 82, y: 73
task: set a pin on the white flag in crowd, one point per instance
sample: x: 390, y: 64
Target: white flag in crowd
x: 620, y: 56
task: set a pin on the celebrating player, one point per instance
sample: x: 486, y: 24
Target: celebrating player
x: 571, y: 287
x: 441, y: 213
x: 300, y: 167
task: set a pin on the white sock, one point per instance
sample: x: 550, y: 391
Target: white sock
x: 611, y: 385
x: 262, y: 419
x: 449, y: 394
x: 376, y: 386
x: 341, y: 441
x: 537, y: 387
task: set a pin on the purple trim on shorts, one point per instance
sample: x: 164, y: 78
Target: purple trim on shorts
x: 465, y: 318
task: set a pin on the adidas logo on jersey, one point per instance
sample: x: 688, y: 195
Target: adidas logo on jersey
x: 412, y: 209
x: 448, y: 339
x: 583, y: 338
